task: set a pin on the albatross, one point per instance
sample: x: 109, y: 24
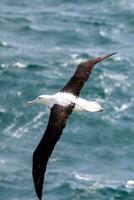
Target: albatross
x: 61, y: 104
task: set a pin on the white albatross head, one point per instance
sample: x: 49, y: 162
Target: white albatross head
x: 42, y: 99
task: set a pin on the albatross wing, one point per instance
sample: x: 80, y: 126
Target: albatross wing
x: 81, y: 75
x: 56, y: 124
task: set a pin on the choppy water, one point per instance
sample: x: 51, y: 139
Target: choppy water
x: 41, y: 42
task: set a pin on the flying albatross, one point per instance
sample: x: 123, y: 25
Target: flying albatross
x: 62, y: 104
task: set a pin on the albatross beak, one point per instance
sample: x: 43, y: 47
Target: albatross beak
x: 30, y: 103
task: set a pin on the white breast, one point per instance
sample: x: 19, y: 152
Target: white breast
x: 64, y: 99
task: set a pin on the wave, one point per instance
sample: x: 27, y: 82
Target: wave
x: 18, y: 132
x: 97, y: 183
x: 84, y: 177
x: 3, y: 44
x: 85, y: 186
x: 20, y: 65
x: 2, y: 161
x: 129, y: 184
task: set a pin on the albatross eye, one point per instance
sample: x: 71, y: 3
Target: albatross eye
x: 39, y: 97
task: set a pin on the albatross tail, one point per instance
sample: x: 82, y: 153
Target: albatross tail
x: 90, y: 106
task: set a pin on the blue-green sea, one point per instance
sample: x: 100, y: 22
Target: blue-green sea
x: 41, y: 43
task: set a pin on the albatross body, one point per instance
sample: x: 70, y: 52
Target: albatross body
x: 62, y: 104
x: 65, y: 99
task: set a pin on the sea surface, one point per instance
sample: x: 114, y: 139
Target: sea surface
x: 41, y: 43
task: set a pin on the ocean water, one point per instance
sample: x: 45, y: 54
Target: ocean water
x: 41, y: 43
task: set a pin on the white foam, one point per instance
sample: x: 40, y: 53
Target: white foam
x: 16, y: 65
x: 65, y: 64
x: 126, y: 5
x: 4, y: 43
x: 3, y: 65
x: 19, y: 93
x: 35, y: 119
x: 74, y: 55
x: 2, y: 110
x: 117, y: 58
x: 9, y: 128
x: 122, y: 108
x: 100, y: 184
x: 53, y: 159
x: 18, y: 133
x: 20, y: 65
x: 2, y: 162
x: 129, y: 184
x: 97, y: 182
x: 83, y: 177
x: 96, y: 186
x: 102, y: 33
x: 116, y: 77
x: 86, y: 177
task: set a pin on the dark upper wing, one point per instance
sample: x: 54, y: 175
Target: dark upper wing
x: 81, y: 75
x: 56, y: 124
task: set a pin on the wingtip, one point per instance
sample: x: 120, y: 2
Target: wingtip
x: 99, y: 59
x: 39, y: 197
x: 109, y: 55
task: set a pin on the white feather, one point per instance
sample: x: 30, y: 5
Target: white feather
x: 65, y: 99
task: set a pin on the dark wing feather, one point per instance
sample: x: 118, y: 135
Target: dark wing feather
x: 56, y: 124
x: 81, y: 75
